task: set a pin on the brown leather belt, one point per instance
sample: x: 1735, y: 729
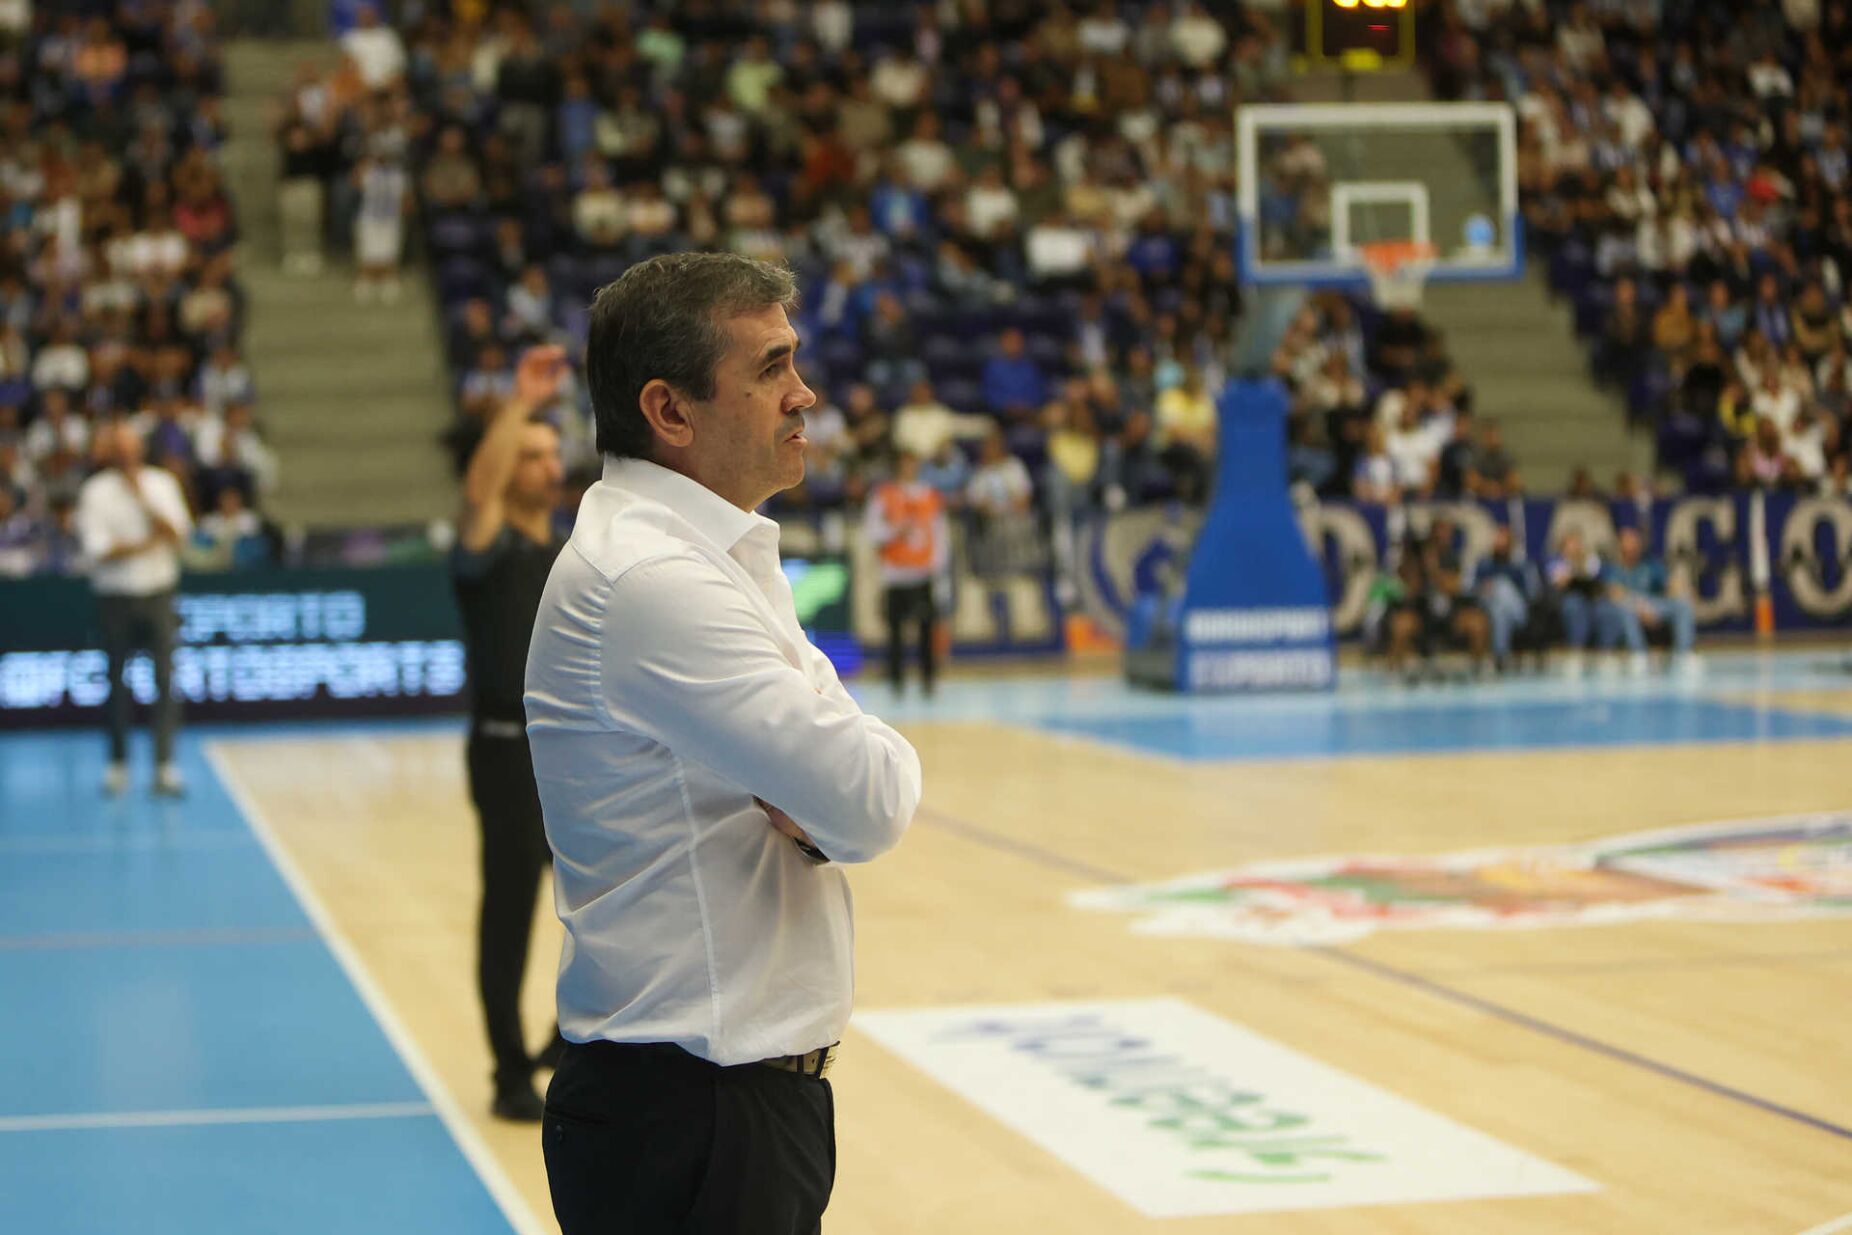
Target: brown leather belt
x: 815, y: 1063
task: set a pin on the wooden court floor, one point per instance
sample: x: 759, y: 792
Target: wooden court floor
x: 1699, y: 1073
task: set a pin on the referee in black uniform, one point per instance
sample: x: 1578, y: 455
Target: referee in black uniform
x: 505, y: 548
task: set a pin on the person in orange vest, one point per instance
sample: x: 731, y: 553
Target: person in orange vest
x: 905, y: 522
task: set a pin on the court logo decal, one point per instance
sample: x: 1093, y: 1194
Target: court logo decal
x: 1181, y: 1113
x: 1753, y: 870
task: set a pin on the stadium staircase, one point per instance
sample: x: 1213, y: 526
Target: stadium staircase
x: 1515, y: 346
x: 352, y: 397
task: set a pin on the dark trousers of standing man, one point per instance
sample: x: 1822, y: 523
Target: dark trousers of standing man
x: 647, y: 1139
x: 909, y: 604
x: 129, y: 623
x: 514, y: 853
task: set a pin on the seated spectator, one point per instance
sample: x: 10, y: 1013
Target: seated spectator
x: 375, y: 49
x: 1807, y: 443
x: 229, y: 444
x: 1436, y: 605
x: 1058, y: 250
x: 62, y: 364
x: 1648, y: 598
x: 923, y: 425
x: 487, y: 385
x: 890, y: 349
x: 21, y: 539
x: 1186, y: 432
x: 599, y: 216
x: 1727, y: 315
x: 1509, y: 588
x: 1583, y: 587
x: 451, y: 180
x: 1373, y: 476
x: 650, y: 214
x: 1815, y: 324
x: 928, y: 160
x: 60, y: 547
x: 1775, y: 400
x: 1624, y: 336
x: 224, y: 379
x: 1675, y: 329
x: 530, y: 316
x: 1495, y: 476
x: 56, y: 427
x: 1399, y: 342
x: 1415, y: 442
x: 1013, y: 383
x: 1768, y: 312
x: 230, y: 534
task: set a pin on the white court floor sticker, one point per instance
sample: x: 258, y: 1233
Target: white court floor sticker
x: 1181, y: 1113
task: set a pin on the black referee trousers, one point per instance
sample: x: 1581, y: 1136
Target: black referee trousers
x: 514, y: 856
x: 646, y: 1139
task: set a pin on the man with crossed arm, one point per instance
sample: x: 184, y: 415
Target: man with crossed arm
x: 704, y: 773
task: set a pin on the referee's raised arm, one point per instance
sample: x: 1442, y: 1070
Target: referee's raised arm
x: 492, y: 464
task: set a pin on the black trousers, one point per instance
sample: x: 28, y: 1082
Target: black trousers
x: 909, y: 604
x: 130, y: 623
x: 514, y: 854
x: 650, y: 1140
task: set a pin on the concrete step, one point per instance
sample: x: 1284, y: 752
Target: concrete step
x: 354, y: 397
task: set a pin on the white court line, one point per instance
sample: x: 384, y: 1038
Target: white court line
x: 462, y: 1131
x: 1841, y: 1223
x: 228, y: 1115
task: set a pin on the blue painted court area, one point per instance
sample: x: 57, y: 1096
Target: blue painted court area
x: 1285, y: 733
x: 1736, y: 700
x: 184, y: 1052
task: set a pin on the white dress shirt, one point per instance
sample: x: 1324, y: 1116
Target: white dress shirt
x: 108, y: 516
x: 668, y: 684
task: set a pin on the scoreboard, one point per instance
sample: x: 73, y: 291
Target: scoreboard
x: 1358, y: 35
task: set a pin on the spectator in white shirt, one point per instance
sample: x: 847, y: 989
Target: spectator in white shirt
x: 990, y: 204
x: 1197, y: 38
x: 702, y: 772
x: 225, y: 379
x: 1776, y: 399
x: 57, y: 427
x: 375, y: 48
x: 923, y: 424
x: 62, y: 363
x: 928, y: 160
x: 132, y: 520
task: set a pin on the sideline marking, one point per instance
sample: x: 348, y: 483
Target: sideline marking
x: 462, y: 1131
x: 229, y: 1115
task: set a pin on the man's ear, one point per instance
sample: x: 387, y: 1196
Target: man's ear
x: 667, y: 413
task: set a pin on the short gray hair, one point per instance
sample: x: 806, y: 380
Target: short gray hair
x: 665, y: 318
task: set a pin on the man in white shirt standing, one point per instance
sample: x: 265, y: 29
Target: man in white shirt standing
x: 132, y: 520
x: 702, y: 773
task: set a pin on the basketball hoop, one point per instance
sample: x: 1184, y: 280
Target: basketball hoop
x: 1398, y: 271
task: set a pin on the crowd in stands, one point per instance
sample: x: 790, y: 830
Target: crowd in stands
x: 1009, y: 221
x: 119, y: 296
x: 1380, y: 414
x: 1684, y: 169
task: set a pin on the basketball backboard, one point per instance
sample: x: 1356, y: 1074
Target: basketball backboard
x: 1319, y: 181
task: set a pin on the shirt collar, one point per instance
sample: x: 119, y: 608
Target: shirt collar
x: 710, y: 514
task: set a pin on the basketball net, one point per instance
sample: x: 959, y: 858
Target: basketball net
x: 1398, y: 271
